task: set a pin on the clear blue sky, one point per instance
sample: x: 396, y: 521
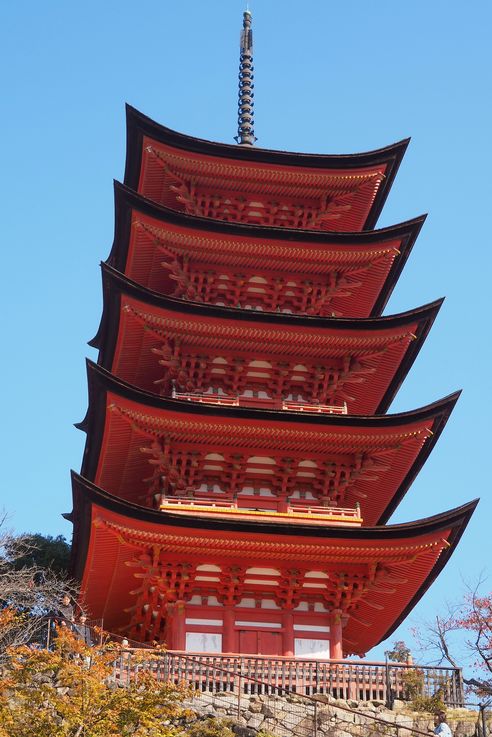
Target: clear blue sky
x: 330, y: 78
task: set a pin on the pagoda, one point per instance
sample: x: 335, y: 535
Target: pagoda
x: 240, y: 468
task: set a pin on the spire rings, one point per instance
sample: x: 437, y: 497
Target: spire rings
x: 245, y: 130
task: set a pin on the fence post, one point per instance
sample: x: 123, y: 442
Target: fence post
x: 239, y: 686
x: 483, y: 720
x: 48, y: 635
x: 315, y: 732
x: 389, y: 695
x: 460, y: 689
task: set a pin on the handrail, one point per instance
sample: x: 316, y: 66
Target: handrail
x: 296, y: 509
x: 240, y: 401
x: 304, y: 678
x: 328, y: 661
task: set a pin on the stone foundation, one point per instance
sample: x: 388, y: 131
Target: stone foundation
x: 284, y: 716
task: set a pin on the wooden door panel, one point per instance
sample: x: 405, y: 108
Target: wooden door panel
x: 248, y: 642
x: 269, y: 643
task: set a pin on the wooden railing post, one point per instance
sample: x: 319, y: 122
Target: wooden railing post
x: 389, y: 695
x: 352, y: 685
x: 482, y: 728
x: 239, y: 687
x: 263, y: 675
x: 48, y: 635
x: 459, y: 687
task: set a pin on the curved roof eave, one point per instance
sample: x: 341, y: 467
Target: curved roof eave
x: 127, y: 199
x: 85, y: 493
x: 100, y: 381
x: 115, y: 284
x: 461, y: 516
x: 139, y: 125
x: 401, y: 530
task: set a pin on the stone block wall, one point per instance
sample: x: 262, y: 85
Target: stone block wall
x: 284, y: 716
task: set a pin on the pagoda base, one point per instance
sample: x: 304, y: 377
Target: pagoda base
x: 255, y: 627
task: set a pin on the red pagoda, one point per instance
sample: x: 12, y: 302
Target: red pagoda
x: 239, y: 468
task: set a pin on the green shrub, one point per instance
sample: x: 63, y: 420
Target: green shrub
x: 413, y: 683
x: 211, y: 727
x: 430, y: 704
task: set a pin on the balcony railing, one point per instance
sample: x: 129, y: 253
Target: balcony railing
x: 261, y: 403
x: 300, y: 512
x: 341, y: 679
x: 244, y: 675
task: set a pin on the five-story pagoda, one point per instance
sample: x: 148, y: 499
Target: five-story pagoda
x: 239, y: 468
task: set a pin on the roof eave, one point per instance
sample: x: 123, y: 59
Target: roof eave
x: 115, y: 284
x: 139, y: 125
x: 90, y: 492
x: 101, y: 381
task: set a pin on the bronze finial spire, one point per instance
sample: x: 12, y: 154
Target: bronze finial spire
x: 245, y: 126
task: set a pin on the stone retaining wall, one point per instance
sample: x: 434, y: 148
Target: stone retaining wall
x: 284, y: 716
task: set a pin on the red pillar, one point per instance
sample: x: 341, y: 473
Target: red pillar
x: 169, y: 639
x: 283, y: 505
x: 178, y: 626
x: 288, y: 633
x: 336, y: 647
x: 228, y: 637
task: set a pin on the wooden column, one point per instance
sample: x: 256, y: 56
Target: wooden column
x: 336, y: 647
x: 283, y: 505
x: 178, y: 628
x: 228, y: 639
x: 288, y: 633
x: 170, y: 626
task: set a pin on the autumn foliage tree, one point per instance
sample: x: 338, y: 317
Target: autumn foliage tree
x: 463, y: 636
x: 400, y: 652
x: 72, y: 690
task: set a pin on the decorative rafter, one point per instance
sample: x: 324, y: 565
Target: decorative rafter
x: 340, y: 585
x: 195, y: 197
x: 162, y: 583
x: 261, y: 254
x: 233, y: 435
x: 196, y: 469
x: 202, y: 369
x: 270, y: 292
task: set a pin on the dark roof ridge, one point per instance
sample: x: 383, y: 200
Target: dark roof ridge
x: 126, y: 200
x: 139, y: 125
x: 125, y: 195
x: 112, y: 278
x: 116, y: 285
x: 251, y: 153
x: 101, y: 381
x: 101, y: 377
x: 406, y: 529
x: 85, y: 493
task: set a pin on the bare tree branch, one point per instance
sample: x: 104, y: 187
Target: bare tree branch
x: 468, y: 622
x: 30, y: 590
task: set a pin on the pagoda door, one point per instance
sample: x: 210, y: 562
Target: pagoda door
x: 260, y: 642
x: 269, y: 643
